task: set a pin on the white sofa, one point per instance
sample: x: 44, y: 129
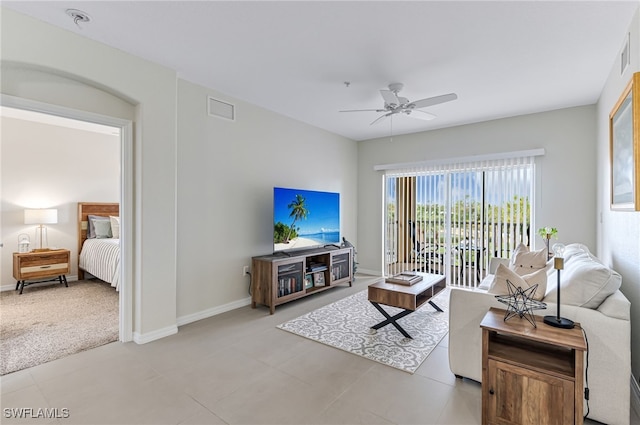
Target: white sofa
x: 607, y: 327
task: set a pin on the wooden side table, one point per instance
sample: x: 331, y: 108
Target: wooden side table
x: 531, y: 375
x: 54, y: 264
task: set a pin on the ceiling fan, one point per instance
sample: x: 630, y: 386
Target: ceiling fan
x: 394, y: 104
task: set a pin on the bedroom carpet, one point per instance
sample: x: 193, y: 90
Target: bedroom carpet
x: 346, y: 324
x: 49, y: 322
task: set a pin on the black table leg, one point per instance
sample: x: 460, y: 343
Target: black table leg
x: 60, y: 279
x: 391, y: 319
x: 435, y: 306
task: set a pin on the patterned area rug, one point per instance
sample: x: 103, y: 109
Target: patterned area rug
x: 346, y: 324
x: 48, y: 322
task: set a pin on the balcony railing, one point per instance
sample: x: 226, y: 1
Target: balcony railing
x: 465, y: 251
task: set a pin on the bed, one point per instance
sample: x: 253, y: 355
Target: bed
x: 99, y: 241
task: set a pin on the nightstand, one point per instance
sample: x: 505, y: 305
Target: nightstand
x: 53, y: 264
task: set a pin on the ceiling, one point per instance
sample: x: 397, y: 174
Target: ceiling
x: 502, y: 58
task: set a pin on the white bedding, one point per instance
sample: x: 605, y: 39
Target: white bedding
x: 101, y: 258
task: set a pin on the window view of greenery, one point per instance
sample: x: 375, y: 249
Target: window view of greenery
x: 460, y: 219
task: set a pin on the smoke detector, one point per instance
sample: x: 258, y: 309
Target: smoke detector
x: 78, y: 16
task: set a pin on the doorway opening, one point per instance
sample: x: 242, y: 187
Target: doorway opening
x: 125, y: 130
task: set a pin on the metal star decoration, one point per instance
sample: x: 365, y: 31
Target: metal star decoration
x: 521, y: 303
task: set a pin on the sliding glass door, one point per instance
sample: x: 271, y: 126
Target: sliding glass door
x: 451, y: 219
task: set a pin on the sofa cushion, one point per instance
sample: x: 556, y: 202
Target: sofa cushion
x: 584, y: 281
x: 574, y: 248
x: 524, y: 261
x: 499, y: 285
x: 486, y: 282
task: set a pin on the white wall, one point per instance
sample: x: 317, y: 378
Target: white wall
x: 566, y: 177
x: 49, y: 166
x: 226, y: 174
x: 619, y: 231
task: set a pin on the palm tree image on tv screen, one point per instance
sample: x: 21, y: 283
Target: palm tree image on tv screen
x: 305, y: 218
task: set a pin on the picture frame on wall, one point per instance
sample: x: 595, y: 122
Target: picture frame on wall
x: 624, y: 148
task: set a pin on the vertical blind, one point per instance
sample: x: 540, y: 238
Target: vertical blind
x: 451, y: 218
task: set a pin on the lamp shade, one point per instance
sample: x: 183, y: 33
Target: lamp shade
x: 41, y: 216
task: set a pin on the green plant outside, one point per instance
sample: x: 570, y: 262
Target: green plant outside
x: 515, y: 213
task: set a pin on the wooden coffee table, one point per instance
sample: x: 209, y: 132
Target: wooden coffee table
x: 408, y: 298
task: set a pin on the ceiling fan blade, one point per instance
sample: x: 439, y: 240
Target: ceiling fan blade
x: 430, y: 101
x: 421, y: 115
x: 390, y: 97
x: 381, y: 118
x: 363, y: 110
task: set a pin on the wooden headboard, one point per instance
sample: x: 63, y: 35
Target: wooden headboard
x: 85, y: 209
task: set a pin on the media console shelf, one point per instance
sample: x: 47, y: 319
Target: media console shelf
x: 280, y: 278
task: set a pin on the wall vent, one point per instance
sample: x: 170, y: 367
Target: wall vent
x: 220, y: 109
x: 625, y: 55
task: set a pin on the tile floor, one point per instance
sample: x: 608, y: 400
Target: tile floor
x: 237, y: 368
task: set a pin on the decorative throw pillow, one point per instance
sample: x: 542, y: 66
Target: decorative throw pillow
x: 486, y: 282
x: 115, y: 226
x: 524, y: 261
x: 102, y: 229
x: 91, y: 233
x: 503, y: 273
x: 585, y: 281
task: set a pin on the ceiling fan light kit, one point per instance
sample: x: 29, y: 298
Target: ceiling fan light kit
x: 394, y: 104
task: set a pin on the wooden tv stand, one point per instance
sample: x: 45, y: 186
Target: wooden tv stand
x: 280, y: 278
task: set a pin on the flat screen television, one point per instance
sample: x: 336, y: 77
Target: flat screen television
x: 305, y: 219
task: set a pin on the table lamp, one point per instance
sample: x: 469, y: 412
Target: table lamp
x: 41, y: 217
x: 558, y: 264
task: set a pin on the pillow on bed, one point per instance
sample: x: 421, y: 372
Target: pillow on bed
x: 102, y: 229
x: 115, y: 226
x: 91, y: 232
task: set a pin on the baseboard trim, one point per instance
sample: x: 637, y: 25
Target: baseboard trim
x: 635, y: 395
x: 210, y: 312
x: 369, y: 272
x: 214, y: 311
x: 143, y: 338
